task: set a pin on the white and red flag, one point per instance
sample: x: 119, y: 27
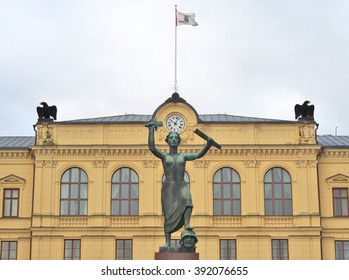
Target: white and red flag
x: 186, y: 19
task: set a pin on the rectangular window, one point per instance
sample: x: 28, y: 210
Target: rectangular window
x: 340, y: 202
x: 342, y: 250
x: 8, y: 250
x: 280, y: 249
x: 72, y: 249
x: 11, y: 198
x: 123, y: 249
x: 227, y: 249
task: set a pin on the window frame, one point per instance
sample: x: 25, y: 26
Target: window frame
x: 221, y: 199
x: 344, y: 252
x: 11, y: 200
x: 73, y: 249
x: 69, y: 185
x: 9, y: 243
x: 116, y: 209
x: 273, y: 187
x: 226, y: 249
x: 279, y: 249
x: 124, y: 249
x: 340, y: 199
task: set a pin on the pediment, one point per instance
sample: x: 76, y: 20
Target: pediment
x: 11, y: 181
x: 338, y: 178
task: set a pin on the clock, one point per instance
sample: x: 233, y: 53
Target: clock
x: 175, y: 123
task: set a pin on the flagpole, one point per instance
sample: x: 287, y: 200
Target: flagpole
x: 175, y: 80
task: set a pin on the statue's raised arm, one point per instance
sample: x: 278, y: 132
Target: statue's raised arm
x: 202, y: 152
x: 209, y: 144
x: 153, y: 125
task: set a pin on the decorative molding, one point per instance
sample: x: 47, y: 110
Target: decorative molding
x: 251, y: 163
x: 305, y: 163
x: 11, y: 181
x: 50, y: 163
x: 108, y: 151
x: 338, y: 179
x: 100, y: 164
x: 188, y: 134
x: 15, y: 155
x: 44, y: 134
x: 124, y: 221
x: 39, y: 163
x: 336, y: 153
x: 201, y: 163
x: 307, y: 134
x: 301, y: 163
x: 265, y: 152
x: 73, y: 221
x: 45, y: 163
x: 278, y: 221
x: 220, y: 221
x: 161, y: 134
x: 151, y: 163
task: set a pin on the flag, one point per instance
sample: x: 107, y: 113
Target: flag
x: 186, y: 19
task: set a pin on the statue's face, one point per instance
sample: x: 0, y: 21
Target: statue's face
x: 173, y: 139
x: 189, y: 241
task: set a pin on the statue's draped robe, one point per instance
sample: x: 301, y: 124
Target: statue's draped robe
x: 175, y: 193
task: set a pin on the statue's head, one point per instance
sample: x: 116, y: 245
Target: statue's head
x: 173, y: 139
x: 188, y: 239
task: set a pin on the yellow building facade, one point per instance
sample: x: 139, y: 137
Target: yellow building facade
x: 90, y: 189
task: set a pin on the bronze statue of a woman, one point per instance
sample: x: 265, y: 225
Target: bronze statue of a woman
x: 176, y: 199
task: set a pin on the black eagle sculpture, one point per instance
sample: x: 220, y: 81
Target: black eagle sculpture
x: 305, y: 110
x: 46, y: 112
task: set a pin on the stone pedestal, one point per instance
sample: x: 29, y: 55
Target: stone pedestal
x: 176, y: 256
x: 185, y: 251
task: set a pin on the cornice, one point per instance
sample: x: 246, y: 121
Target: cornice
x: 267, y: 151
x: 107, y: 151
x: 335, y: 154
x: 15, y: 155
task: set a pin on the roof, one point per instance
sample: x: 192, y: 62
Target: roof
x: 331, y: 141
x: 224, y: 118
x: 132, y: 118
x: 206, y: 118
x: 16, y: 142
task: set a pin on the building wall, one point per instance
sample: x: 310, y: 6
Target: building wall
x: 101, y: 149
x: 333, y: 173
x: 17, y: 172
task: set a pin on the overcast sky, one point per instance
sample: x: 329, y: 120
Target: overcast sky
x: 95, y: 58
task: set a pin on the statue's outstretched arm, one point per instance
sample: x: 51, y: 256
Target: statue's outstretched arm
x: 151, y: 140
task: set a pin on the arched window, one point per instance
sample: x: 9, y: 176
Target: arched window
x: 277, y: 192
x: 124, y: 192
x: 74, y: 190
x: 226, y: 192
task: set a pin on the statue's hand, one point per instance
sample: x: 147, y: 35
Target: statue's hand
x: 210, y: 141
x: 153, y: 124
x: 150, y: 124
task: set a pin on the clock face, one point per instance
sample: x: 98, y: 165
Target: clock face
x: 175, y: 123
